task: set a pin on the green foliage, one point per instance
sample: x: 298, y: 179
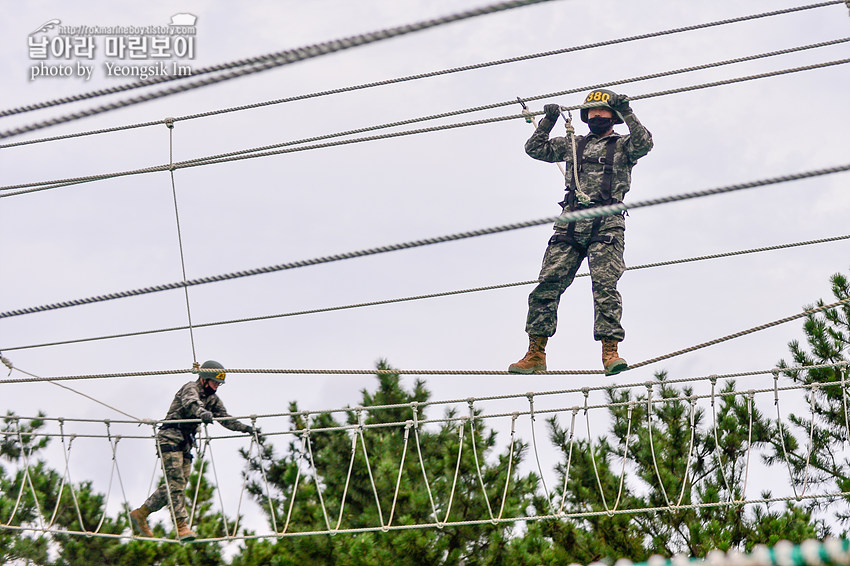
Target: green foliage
x: 331, y: 443
x: 821, y: 462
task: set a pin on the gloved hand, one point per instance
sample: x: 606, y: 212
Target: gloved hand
x: 205, y: 416
x: 552, y: 111
x: 255, y: 430
x: 620, y: 103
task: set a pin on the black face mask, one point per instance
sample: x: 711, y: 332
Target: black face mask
x: 599, y: 125
x: 208, y: 390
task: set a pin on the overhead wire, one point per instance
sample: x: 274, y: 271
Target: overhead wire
x: 421, y: 297
x: 563, y: 218
x: 387, y: 81
x: 306, y: 371
x: 283, y: 58
x: 303, y: 145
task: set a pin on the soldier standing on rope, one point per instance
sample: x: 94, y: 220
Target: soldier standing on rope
x: 599, y: 169
x: 195, y: 400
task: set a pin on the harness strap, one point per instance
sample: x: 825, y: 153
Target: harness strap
x: 606, y: 190
x: 569, y: 237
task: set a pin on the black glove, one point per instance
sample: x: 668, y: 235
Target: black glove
x: 620, y: 103
x: 552, y: 111
x: 205, y: 416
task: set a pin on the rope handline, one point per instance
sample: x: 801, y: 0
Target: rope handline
x: 260, y: 152
x: 170, y: 123
x: 72, y: 390
x: 425, y: 296
x: 442, y: 421
x: 802, y: 314
x: 564, y: 217
x: 409, y: 77
x: 284, y: 58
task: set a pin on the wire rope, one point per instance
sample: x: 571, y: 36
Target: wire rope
x: 283, y: 58
x: 6, y: 191
x: 564, y: 217
x: 425, y: 296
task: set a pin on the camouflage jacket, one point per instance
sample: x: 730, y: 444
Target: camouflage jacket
x: 187, y: 404
x: 629, y: 149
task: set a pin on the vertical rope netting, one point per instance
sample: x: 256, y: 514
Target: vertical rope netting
x: 649, y: 388
x: 569, y: 459
x: 369, y: 467
x: 717, y: 454
x: 844, y: 397
x: 298, y: 465
x: 510, y: 464
x: 170, y: 123
x: 415, y: 409
x: 688, y: 462
x: 165, y: 480
x: 215, y: 477
x: 108, y: 487
x: 59, y: 493
x: 26, y: 477
x: 353, y: 452
x: 113, y: 443
x: 407, y: 426
x: 316, y: 474
x: 536, y: 453
x: 625, y: 459
x: 263, y: 471
x: 457, y: 471
x: 810, y: 448
x: 67, y: 455
x: 471, y: 402
x: 202, y: 454
x: 241, y: 493
x: 750, y: 396
x: 592, y: 455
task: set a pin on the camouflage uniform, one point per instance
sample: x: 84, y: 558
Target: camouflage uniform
x: 175, y: 442
x: 562, y: 259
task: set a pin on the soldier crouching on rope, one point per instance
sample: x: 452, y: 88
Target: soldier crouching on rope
x: 195, y: 400
x: 598, y: 173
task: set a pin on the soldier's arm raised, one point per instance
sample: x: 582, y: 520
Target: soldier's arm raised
x: 640, y: 140
x: 540, y: 147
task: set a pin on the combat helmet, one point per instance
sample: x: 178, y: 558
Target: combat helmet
x: 600, y: 97
x: 218, y: 377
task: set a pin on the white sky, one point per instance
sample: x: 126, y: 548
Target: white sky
x: 120, y: 234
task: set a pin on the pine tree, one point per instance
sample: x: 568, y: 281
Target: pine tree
x: 331, y: 449
x: 821, y: 463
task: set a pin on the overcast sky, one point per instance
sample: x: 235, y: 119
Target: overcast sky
x: 120, y: 234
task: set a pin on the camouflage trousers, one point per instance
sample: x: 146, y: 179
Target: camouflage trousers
x: 560, y: 264
x: 177, y: 467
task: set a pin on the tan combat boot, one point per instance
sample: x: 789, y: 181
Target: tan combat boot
x: 535, y: 358
x: 138, y: 517
x: 611, y: 360
x: 184, y: 533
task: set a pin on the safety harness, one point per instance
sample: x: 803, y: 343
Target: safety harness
x: 187, y: 442
x: 605, y: 194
